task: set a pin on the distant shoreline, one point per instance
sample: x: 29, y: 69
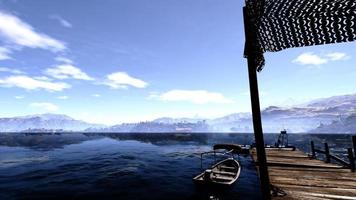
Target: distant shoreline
x: 90, y: 132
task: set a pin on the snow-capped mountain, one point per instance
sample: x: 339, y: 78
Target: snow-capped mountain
x: 343, y: 125
x: 299, y: 118
x: 169, y: 120
x: 334, y: 114
x: 43, y: 121
x: 344, y: 102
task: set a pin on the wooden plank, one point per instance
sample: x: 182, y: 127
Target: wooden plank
x: 301, y: 177
x: 292, y: 189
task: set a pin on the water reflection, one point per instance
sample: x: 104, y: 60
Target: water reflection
x: 125, y: 166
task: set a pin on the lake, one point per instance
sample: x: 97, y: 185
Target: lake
x: 127, y: 165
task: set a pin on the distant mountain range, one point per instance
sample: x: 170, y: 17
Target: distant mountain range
x: 329, y: 115
x: 300, y: 118
x: 44, y: 122
x: 343, y: 125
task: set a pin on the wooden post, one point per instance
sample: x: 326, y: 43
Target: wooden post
x: 257, y: 127
x: 327, y: 153
x: 256, y: 112
x: 354, y: 144
x: 352, y: 159
x: 201, y: 161
x: 214, y: 156
x: 312, y: 149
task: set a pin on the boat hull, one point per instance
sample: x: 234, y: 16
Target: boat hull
x: 224, y: 173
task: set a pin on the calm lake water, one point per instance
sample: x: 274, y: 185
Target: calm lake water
x: 127, y: 166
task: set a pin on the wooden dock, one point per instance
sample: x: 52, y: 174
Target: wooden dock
x: 298, y: 176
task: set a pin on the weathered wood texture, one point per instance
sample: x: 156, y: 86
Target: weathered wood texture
x: 301, y: 177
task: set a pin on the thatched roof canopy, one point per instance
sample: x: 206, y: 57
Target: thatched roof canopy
x: 282, y: 24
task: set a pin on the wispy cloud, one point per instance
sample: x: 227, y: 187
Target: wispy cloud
x: 42, y: 78
x: 310, y: 58
x: 67, y: 71
x: 96, y: 95
x: 63, y: 97
x: 18, y: 32
x: 45, y: 106
x: 193, y: 96
x: 123, y: 80
x: 62, y: 21
x: 5, y: 53
x: 63, y: 60
x: 9, y: 70
x: 337, y: 56
x: 19, y: 97
x: 29, y: 83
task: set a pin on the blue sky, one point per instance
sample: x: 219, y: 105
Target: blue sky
x: 113, y: 61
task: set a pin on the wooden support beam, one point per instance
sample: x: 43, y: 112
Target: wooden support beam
x: 257, y: 127
x: 312, y: 148
x: 250, y: 37
x: 327, y: 153
x: 319, y: 151
x: 328, y: 156
x: 339, y: 160
x: 352, y: 159
x: 354, y: 144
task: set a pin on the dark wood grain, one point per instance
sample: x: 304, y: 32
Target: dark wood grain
x: 301, y: 177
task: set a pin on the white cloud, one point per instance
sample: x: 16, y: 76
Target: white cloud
x: 32, y: 83
x: 19, y: 97
x: 337, y: 56
x: 45, y: 106
x: 63, y: 60
x: 193, y: 96
x: 310, y: 58
x: 96, y: 95
x: 42, y: 78
x: 63, y: 97
x: 5, y: 53
x: 62, y: 21
x: 122, y: 80
x: 66, y: 71
x: 13, y: 71
x: 20, y: 33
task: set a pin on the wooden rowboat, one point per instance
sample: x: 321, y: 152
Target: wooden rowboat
x: 225, y: 172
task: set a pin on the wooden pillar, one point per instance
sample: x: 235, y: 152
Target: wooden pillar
x: 327, y: 153
x: 257, y: 127
x: 351, y: 159
x: 312, y: 148
x: 201, y: 161
x: 354, y: 144
x: 256, y: 115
